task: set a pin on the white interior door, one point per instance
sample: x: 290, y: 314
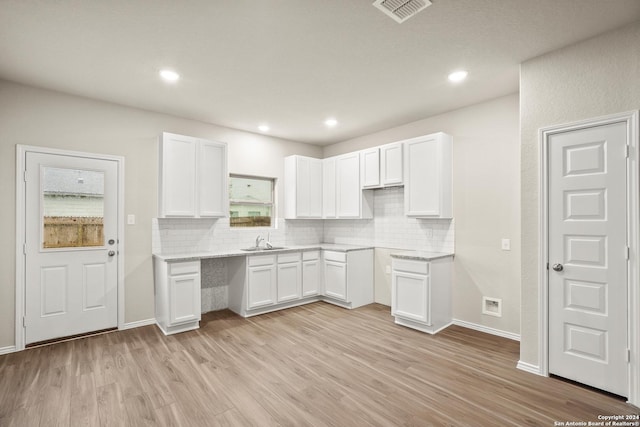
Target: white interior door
x: 71, y: 249
x: 588, y: 257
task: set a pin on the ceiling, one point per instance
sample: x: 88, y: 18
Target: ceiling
x: 290, y: 63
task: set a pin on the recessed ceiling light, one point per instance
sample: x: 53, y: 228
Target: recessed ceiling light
x: 169, y: 75
x: 263, y: 128
x: 331, y: 122
x: 458, y: 76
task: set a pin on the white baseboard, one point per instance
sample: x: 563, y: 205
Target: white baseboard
x: 487, y: 330
x: 528, y: 367
x: 8, y: 349
x: 137, y: 324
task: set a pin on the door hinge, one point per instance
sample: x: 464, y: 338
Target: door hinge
x: 24, y: 248
x: 547, y: 266
x: 24, y: 176
x: 628, y: 251
x: 628, y: 355
x: 626, y: 151
x: 24, y: 321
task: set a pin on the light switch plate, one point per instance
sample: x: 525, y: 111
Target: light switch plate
x: 506, y: 244
x: 131, y: 219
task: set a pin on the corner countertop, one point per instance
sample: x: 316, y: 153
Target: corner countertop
x: 421, y: 255
x: 239, y: 252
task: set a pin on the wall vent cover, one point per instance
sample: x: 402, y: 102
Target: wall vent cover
x: 401, y: 10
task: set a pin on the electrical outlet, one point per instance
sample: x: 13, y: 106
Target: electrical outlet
x: 506, y: 244
x: 131, y: 219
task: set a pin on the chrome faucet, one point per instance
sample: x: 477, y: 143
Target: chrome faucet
x: 268, y: 241
x: 258, y: 240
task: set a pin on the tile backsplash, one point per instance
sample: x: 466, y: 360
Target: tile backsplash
x: 390, y: 228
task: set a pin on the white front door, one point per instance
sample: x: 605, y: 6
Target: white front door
x: 71, y: 250
x: 588, y: 256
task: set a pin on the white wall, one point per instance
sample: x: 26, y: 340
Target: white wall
x: 39, y: 117
x: 486, y: 203
x: 592, y: 78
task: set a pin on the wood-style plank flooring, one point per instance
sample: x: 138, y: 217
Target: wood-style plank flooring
x: 316, y: 365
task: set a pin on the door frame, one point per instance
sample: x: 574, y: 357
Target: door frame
x: 21, y: 152
x: 630, y: 119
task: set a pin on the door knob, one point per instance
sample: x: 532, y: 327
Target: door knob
x: 112, y: 253
x: 558, y: 267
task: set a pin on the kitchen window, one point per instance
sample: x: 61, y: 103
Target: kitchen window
x: 251, y: 201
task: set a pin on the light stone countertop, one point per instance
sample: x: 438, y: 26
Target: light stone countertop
x: 239, y: 252
x: 421, y: 255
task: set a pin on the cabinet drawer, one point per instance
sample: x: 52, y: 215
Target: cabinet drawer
x: 310, y: 255
x: 261, y: 260
x: 292, y: 257
x: 410, y: 266
x: 190, y: 267
x: 335, y: 256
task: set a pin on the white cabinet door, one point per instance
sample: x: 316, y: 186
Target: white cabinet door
x: 177, y: 176
x: 310, y: 277
x: 427, y: 187
x: 315, y: 188
x: 212, y: 179
x: 308, y: 187
x: 261, y: 286
x: 348, y: 188
x: 410, y: 296
x: 329, y: 188
x: 335, y: 279
x: 289, y: 281
x: 370, y: 168
x: 391, y: 171
x: 193, y: 177
x: 184, y: 298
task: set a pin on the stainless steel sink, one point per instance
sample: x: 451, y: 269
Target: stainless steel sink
x: 261, y: 249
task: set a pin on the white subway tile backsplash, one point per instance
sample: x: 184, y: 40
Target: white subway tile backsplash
x: 390, y: 228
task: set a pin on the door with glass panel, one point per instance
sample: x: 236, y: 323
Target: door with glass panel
x: 71, y: 248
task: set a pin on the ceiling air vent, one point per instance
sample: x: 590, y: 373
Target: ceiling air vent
x: 401, y: 10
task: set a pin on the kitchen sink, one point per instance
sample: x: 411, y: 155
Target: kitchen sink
x: 260, y: 249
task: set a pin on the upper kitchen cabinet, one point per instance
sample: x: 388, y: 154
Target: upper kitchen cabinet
x: 193, y: 177
x: 427, y: 188
x: 342, y: 195
x: 302, y: 187
x: 381, y: 166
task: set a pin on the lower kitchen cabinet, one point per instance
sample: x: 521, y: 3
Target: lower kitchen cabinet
x: 289, y: 277
x: 177, y: 295
x: 348, y: 277
x: 261, y: 281
x: 311, y: 273
x: 421, y: 293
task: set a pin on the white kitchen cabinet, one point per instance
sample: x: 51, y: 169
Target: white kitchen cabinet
x: 193, y: 177
x: 427, y: 184
x: 311, y: 273
x: 421, y: 293
x: 329, y: 188
x: 370, y: 168
x: 348, y: 277
x: 177, y: 295
x: 382, y: 166
x: 391, y: 165
x: 261, y: 281
x: 302, y: 187
x: 289, y: 277
x: 342, y: 196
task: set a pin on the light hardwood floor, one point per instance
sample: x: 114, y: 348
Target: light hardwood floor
x: 314, y: 365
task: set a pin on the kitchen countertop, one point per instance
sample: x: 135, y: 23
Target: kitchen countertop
x: 421, y: 255
x: 239, y: 252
